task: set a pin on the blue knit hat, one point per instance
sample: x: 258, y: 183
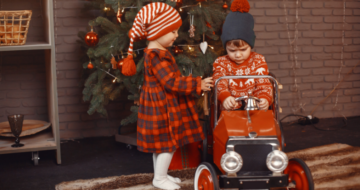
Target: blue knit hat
x: 239, y: 24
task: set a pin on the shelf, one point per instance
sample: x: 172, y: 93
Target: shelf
x: 40, y: 37
x: 27, y: 46
x: 41, y: 141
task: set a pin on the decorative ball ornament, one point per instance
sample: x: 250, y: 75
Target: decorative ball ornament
x: 91, y: 38
x: 203, y: 47
x: 177, y: 50
x: 225, y: 6
x: 179, y: 3
x: 90, y: 65
x: 208, y: 25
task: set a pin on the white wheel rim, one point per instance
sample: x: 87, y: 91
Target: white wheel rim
x: 197, y: 174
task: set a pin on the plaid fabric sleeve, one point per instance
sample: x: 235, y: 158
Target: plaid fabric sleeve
x: 263, y: 87
x: 219, y: 70
x: 166, y: 73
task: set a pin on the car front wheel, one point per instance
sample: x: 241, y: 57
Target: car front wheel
x: 206, y: 177
x: 299, y: 175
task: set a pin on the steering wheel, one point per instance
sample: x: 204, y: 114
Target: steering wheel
x: 247, y: 98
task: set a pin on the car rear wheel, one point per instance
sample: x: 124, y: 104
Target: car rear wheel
x: 206, y: 177
x: 205, y: 143
x: 299, y: 174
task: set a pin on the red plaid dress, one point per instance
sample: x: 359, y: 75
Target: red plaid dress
x: 167, y: 117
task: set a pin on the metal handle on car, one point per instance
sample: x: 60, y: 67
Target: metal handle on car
x: 276, y: 89
x: 245, y: 97
x: 241, y: 98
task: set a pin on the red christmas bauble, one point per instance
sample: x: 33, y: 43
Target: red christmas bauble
x: 90, y: 66
x: 177, y: 50
x: 208, y: 25
x: 179, y: 3
x: 91, y: 38
x: 225, y: 6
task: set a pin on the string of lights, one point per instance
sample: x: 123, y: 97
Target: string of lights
x: 187, y: 6
x: 297, y: 105
x: 335, y: 107
x: 190, y: 47
x: 106, y: 8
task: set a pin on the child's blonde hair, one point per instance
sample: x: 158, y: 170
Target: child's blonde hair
x: 238, y: 43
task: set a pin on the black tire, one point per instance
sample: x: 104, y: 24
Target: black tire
x: 282, y: 137
x: 306, y: 170
x: 210, y: 168
x: 205, y: 141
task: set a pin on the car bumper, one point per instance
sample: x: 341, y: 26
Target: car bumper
x: 253, y: 182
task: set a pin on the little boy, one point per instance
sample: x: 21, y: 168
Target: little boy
x: 238, y: 38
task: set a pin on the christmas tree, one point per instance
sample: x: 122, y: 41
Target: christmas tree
x: 195, y: 50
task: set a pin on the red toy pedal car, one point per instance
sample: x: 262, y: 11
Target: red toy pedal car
x: 246, y: 149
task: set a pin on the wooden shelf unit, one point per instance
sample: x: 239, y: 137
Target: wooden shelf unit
x: 27, y: 46
x: 46, y: 140
x: 41, y: 141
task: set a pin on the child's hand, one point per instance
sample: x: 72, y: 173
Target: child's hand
x: 230, y: 103
x: 264, y: 104
x: 207, y: 83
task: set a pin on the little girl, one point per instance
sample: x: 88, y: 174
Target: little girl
x: 167, y: 117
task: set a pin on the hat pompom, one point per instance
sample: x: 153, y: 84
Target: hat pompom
x: 129, y: 67
x: 240, y: 6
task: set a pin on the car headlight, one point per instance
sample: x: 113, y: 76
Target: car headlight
x: 277, y: 161
x: 231, y: 162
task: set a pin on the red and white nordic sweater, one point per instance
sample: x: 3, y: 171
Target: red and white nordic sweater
x: 254, y: 65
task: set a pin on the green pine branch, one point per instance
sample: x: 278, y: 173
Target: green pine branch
x: 99, y: 88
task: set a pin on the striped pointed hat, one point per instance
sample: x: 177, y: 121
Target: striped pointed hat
x: 152, y: 21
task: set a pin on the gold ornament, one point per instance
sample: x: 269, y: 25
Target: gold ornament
x: 225, y: 6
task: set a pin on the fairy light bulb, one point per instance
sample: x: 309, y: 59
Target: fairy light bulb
x: 114, y: 80
x: 106, y: 9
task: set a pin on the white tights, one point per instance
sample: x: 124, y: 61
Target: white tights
x: 161, y: 166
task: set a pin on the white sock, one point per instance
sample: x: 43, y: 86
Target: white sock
x: 160, y: 172
x: 171, y: 178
